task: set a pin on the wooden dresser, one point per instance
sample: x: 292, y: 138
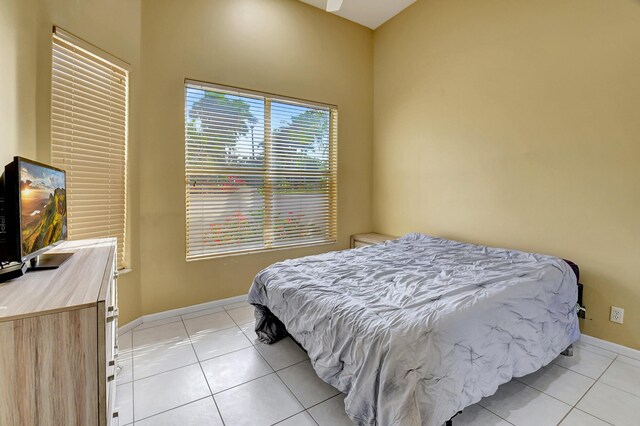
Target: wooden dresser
x: 58, y: 340
x: 361, y: 240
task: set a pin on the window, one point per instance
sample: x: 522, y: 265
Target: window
x: 261, y: 171
x: 89, y: 92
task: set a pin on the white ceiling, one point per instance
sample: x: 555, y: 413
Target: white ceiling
x: 370, y: 13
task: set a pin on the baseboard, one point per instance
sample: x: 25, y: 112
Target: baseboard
x: 180, y: 311
x: 130, y: 325
x: 610, y: 346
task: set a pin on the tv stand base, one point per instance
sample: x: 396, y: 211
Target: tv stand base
x: 12, y: 271
x: 48, y: 261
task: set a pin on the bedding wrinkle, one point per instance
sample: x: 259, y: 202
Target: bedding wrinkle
x: 416, y: 329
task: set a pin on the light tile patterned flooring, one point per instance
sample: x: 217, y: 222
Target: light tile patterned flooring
x: 208, y: 368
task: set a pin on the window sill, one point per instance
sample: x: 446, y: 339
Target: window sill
x: 261, y: 251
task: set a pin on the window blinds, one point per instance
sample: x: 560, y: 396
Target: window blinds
x: 89, y: 137
x: 261, y: 171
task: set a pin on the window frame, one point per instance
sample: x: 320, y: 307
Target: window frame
x: 332, y: 172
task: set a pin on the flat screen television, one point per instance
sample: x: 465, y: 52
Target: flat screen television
x: 35, y: 212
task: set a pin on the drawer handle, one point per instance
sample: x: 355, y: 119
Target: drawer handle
x: 116, y: 274
x: 111, y: 378
x: 112, y: 363
x: 114, y: 316
x: 110, y: 308
x: 116, y: 414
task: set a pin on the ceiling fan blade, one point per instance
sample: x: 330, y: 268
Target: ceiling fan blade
x: 334, y: 5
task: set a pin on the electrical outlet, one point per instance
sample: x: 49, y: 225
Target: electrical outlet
x: 617, y: 315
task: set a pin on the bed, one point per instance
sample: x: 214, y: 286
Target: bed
x: 416, y: 329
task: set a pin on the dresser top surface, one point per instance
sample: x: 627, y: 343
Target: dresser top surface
x: 373, y: 237
x: 76, y: 283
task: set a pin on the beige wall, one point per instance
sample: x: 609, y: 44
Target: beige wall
x: 516, y: 123
x: 278, y: 46
x: 17, y: 80
x: 499, y: 122
x: 113, y: 26
x: 25, y: 88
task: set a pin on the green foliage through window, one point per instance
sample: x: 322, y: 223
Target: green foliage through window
x: 260, y: 171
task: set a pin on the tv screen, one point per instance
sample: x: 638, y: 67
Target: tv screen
x: 43, y: 206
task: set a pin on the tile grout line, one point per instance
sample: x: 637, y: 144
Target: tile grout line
x: 147, y: 325
x: 630, y: 364
x: 322, y: 402
x: 575, y: 406
x: 544, y: 393
x: 217, y: 356
x: 304, y: 409
x: 226, y: 353
x: 133, y: 383
x: 589, y: 414
x: 174, y: 408
x: 201, y: 314
x: 621, y: 390
x: 255, y: 346
x: 566, y: 368
x: 287, y: 418
x: 492, y: 412
x: 294, y: 396
x: 573, y: 371
x: 273, y: 370
x: 517, y: 379
x: 252, y: 344
x: 174, y: 369
x: 193, y: 363
x: 296, y: 363
x: 244, y: 383
x: 530, y: 387
x: 209, y: 332
x: 203, y: 373
x: 195, y: 352
x: 180, y: 319
x: 166, y: 371
x: 585, y: 346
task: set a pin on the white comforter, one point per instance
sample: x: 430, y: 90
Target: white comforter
x: 416, y: 329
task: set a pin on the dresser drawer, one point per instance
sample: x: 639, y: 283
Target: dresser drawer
x: 111, y: 323
x: 108, y: 346
x: 111, y: 342
x: 111, y: 403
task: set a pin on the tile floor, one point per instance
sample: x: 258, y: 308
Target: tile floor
x: 207, y: 368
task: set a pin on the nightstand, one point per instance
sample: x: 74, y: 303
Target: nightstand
x: 361, y: 240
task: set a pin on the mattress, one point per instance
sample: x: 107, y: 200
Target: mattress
x: 416, y: 329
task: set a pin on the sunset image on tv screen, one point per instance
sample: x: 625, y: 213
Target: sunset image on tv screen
x: 43, y: 201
